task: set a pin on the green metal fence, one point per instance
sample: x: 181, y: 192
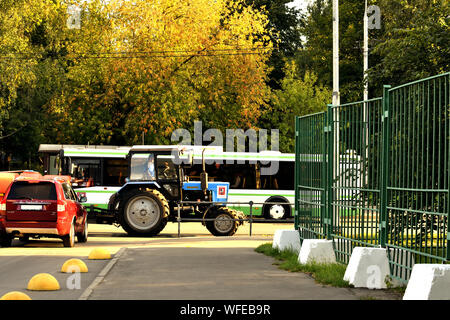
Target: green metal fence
x: 310, y: 166
x: 417, y: 189
x: 356, y: 170
x: 376, y: 173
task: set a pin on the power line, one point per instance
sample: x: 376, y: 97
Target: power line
x: 157, y: 51
x: 138, y: 56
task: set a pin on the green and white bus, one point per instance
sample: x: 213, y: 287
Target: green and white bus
x: 272, y: 194
x: 99, y: 171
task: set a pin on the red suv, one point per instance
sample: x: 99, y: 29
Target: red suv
x: 42, y: 207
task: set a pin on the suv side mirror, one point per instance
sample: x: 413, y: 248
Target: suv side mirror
x: 83, y: 199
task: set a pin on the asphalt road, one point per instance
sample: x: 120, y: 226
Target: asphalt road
x: 195, y: 266
x: 195, y: 273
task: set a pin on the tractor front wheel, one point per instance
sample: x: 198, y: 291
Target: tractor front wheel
x: 224, y: 223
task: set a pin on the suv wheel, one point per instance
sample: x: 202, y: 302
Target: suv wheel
x: 83, y: 236
x: 69, y: 240
x: 5, y: 240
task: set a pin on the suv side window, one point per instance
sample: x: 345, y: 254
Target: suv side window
x: 67, y: 192
x: 74, y: 195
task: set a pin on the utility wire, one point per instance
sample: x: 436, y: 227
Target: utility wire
x: 139, y: 56
x: 155, y: 51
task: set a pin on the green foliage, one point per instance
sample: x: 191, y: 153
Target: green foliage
x: 25, y: 77
x: 55, y: 88
x: 317, y: 52
x: 413, y: 44
x: 285, y: 21
x: 131, y: 68
x: 299, y: 95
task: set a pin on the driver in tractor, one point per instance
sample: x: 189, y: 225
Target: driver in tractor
x: 168, y: 172
x: 150, y: 172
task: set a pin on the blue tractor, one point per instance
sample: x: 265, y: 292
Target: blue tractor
x: 155, y: 185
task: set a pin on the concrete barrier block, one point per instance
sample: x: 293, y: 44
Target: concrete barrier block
x: 428, y: 282
x: 316, y: 250
x: 368, y: 268
x: 286, y: 240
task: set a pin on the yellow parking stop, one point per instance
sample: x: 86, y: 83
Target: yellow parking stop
x: 15, y: 295
x: 43, y: 282
x: 99, y: 254
x: 74, y: 265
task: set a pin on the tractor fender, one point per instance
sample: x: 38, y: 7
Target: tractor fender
x: 207, y: 212
x: 136, y: 184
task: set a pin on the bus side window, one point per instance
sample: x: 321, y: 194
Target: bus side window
x: 115, y: 171
x: 237, y: 180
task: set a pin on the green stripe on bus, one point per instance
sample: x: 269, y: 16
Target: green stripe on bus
x: 243, y: 156
x: 260, y: 195
x: 246, y: 210
x: 94, y: 153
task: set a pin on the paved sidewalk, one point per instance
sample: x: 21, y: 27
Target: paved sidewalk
x: 196, y: 273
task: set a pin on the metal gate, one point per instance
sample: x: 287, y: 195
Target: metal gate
x: 417, y: 190
x: 310, y: 166
x: 376, y: 173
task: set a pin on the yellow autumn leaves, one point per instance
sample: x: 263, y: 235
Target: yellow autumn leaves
x: 156, y: 66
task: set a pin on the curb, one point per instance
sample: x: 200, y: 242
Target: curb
x: 101, y: 275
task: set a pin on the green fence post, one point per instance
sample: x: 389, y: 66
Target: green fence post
x: 384, y: 166
x: 447, y: 93
x: 329, y: 179
x: 296, y: 172
x: 324, y: 171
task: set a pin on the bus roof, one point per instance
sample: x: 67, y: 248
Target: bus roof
x: 87, y: 151
x: 249, y: 156
x: 193, y: 148
x: 211, y: 152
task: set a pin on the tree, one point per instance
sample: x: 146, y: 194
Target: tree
x: 25, y: 81
x: 316, y: 54
x: 153, y: 67
x: 299, y: 95
x: 413, y: 43
x: 287, y: 38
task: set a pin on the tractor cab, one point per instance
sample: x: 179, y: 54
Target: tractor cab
x: 158, y: 167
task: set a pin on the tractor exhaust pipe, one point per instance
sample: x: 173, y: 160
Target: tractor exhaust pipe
x: 204, y: 175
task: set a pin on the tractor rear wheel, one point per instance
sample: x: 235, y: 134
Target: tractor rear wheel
x: 144, y: 213
x: 223, y: 224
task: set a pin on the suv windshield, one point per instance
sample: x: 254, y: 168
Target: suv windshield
x: 38, y: 191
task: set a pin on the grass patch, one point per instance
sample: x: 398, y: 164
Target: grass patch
x: 328, y: 274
